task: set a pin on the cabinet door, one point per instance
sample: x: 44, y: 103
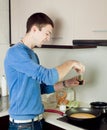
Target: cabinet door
x: 48, y: 126
x: 61, y: 12
x: 90, y: 21
x: 4, y: 123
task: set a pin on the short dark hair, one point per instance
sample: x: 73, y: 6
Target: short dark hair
x: 38, y: 19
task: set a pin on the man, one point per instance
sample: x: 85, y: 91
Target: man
x: 27, y: 79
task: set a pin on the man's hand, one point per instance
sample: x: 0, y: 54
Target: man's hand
x: 73, y: 82
x: 78, y: 67
x: 66, y: 67
x: 69, y: 83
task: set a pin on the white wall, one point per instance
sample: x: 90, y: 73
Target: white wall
x: 4, y: 32
x: 3, y: 49
x: 95, y: 61
x: 96, y: 70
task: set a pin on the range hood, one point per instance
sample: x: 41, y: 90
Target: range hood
x: 90, y: 42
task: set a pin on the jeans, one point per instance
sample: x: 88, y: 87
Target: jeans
x: 34, y: 125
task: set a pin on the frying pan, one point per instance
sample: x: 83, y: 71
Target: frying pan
x: 70, y: 111
x: 87, y: 110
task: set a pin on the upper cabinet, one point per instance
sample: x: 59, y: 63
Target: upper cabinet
x: 4, y: 22
x: 90, y: 21
x: 74, y: 19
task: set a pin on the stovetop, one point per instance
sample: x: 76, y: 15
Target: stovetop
x: 100, y: 124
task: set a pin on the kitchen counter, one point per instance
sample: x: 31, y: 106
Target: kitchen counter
x: 50, y: 118
x: 4, y: 104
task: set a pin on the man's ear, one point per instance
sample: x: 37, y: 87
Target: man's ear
x: 34, y: 28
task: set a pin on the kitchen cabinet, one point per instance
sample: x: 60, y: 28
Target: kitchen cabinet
x: 83, y: 19
x: 4, y: 122
x: 89, y: 19
x: 51, y: 127
x: 4, y: 22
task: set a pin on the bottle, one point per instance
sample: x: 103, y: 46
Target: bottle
x: 4, y: 91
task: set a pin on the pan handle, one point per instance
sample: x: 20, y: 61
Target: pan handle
x: 55, y: 111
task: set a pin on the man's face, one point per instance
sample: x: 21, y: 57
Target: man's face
x: 43, y: 35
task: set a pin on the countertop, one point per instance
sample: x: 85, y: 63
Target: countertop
x: 49, y: 117
x: 4, y: 104
x: 52, y: 119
